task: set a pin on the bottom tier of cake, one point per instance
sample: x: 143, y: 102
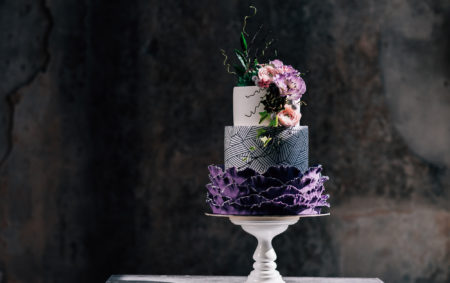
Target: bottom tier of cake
x: 281, y: 190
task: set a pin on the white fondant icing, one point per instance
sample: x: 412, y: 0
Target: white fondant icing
x: 247, y: 105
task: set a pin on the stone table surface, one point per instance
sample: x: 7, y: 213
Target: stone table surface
x: 228, y: 279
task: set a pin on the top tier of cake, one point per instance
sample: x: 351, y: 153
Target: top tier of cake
x: 247, y: 105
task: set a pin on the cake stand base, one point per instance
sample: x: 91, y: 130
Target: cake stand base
x: 264, y: 229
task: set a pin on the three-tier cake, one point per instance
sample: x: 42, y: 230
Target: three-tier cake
x: 266, y: 170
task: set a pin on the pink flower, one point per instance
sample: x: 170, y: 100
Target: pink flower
x: 276, y: 63
x: 283, y: 69
x: 265, y: 75
x: 289, y: 117
x: 288, y: 69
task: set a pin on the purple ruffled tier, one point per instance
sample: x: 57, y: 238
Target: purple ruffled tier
x: 281, y: 190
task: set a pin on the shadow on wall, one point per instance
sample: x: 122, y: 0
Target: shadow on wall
x: 416, y: 75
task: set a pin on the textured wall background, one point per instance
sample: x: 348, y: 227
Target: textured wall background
x: 110, y: 112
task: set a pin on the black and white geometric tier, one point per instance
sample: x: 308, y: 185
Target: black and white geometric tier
x: 244, y: 149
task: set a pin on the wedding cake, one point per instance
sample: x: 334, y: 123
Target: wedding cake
x: 266, y: 170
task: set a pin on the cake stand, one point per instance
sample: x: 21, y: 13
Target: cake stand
x: 264, y: 229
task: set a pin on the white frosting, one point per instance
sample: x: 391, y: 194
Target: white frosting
x: 247, y: 105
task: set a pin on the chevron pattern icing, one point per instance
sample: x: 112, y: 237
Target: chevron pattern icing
x: 291, y: 148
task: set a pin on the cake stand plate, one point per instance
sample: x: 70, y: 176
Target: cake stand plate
x: 264, y: 229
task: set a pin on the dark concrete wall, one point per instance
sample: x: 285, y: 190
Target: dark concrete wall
x: 110, y: 112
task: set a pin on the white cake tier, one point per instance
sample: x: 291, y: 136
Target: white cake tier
x: 247, y: 105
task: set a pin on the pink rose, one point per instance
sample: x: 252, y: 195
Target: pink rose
x: 265, y: 75
x: 289, y: 117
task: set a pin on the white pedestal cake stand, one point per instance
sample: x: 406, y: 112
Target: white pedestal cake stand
x: 264, y: 229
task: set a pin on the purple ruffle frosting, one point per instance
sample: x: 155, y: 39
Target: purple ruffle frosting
x: 281, y: 190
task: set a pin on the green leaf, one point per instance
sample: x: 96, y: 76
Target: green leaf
x: 274, y: 122
x: 245, y: 80
x: 243, y: 43
x: 241, y: 82
x: 255, y: 63
x: 263, y: 116
x: 241, y: 58
x: 244, y: 159
x: 260, y: 132
x: 240, y: 71
x: 252, y: 148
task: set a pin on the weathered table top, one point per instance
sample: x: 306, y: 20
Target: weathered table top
x: 227, y: 279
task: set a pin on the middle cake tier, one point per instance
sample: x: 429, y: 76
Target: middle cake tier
x: 245, y: 149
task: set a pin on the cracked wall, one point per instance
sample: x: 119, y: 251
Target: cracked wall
x: 25, y: 35
x: 110, y: 113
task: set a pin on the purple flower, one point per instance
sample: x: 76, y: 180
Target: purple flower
x: 290, y: 85
x: 281, y: 190
x: 288, y: 80
x: 283, y: 69
x: 276, y: 63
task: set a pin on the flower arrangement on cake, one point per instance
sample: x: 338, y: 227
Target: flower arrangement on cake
x: 283, y: 86
x: 266, y: 170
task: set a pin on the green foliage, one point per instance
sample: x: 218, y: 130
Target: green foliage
x: 246, y: 78
x: 261, y: 132
x: 274, y: 122
x: 242, y: 58
x: 240, y: 71
x: 243, y: 43
x: 247, y: 57
x: 263, y: 116
x: 247, y: 67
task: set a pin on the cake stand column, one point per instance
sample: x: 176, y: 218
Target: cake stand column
x: 264, y: 230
